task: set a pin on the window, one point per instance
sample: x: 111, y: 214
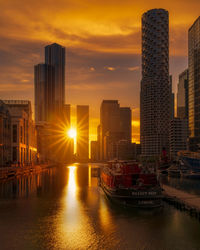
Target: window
x: 21, y: 134
x: 14, y: 156
x: 14, y: 133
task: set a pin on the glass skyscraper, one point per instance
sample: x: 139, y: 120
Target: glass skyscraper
x: 55, y: 56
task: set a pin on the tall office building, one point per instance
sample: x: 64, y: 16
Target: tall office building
x: 55, y: 56
x: 194, y: 83
x: 44, y: 92
x: 178, y: 136
x: 182, y: 95
x: 115, y: 127
x: 155, y: 95
x: 109, y: 124
x: 125, y: 123
x: 82, y: 126
x: 67, y: 115
x: 172, y: 97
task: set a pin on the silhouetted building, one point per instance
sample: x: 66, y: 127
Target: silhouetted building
x: 20, y: 130
x: 125, y: 123
x: 67, y: 115
x: 55, y: 56
x: 115, y: 126
x: 44, y: 92
x: 182, y: 95
x: 172, y: 98
x: 109, y: 124
x: 94, y: 151
x: 5, y: 135
x: 155, y: 95
x: 178, y: 136
x: 194, y: 84
x: 82, y: 117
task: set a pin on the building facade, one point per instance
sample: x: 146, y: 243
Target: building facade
x: 19, y: 130
x: 94, y: 151
x: 115, y: 126
x: 5, y: 135
x: 194, y: 84
x: 44, y: 92
x: 178, y: 136
x: 55, y: 56
x: 82, y: 126
x: 155, y: 95
x: 182, y: 95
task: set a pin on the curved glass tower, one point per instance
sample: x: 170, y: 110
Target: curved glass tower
x: 155, y: 87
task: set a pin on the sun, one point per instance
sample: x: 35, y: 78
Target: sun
x: 71, y: 133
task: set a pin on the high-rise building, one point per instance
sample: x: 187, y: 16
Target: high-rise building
x: 155, y: 95
x: 182, y: 95
x: 172, y: 97
x: 82, y: 126
x: 178, y: 136
x: 125, y: 123
x: 115, y: 126
x: 67, y: 115
x: 109, y: 123
x: 44, y: 92
x: 194, y: 83
x: 55, y: 56
x: 94, y: 151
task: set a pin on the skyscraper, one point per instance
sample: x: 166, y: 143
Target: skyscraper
x: 55, y: 56
x: 172, y: 98
x: 194, y: 83
x: 109, y: 124
x: 125, y: 123
x: 155, y: 96
x: 82, y: 117
x: 182, y: 95
x: 44, y: 92
x: 115, y: 127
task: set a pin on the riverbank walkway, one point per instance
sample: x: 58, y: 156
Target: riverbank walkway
x: 14, y: 171
x: 187, y: 200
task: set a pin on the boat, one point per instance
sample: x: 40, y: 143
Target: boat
x: 190, y: 159
x: 128, y: 183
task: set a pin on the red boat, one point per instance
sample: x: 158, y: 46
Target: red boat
x: 130, y: 184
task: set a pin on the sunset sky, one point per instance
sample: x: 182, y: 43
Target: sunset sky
x: 103, y: 47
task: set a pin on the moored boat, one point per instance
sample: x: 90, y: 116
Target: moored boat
x: 130, y: 184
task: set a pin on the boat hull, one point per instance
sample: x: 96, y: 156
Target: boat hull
x: 134, y: 198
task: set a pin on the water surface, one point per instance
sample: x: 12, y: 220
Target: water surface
x: 64, y: 208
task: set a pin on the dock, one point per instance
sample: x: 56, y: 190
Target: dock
x: 182, y: 200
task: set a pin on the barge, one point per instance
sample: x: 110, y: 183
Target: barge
x: 127, y: 183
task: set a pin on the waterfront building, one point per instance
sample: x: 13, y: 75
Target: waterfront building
x: 178, y: 136
x: 115, y: 125
x: 94, y: 151
x: 125, y: 150
x: 109, y: 123
x: 155, y: 95
x: 82, y: 126
x: 44, y: 92
x: 194, y: 84
x: 5, y: 132
x: 55, y: 56
x: 67, y: 115
x: 172, y: 97
x: 20, y: 130
x: 182, y: 95
x: 125, y: 123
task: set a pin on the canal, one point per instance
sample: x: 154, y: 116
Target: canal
x: 64, y: 208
